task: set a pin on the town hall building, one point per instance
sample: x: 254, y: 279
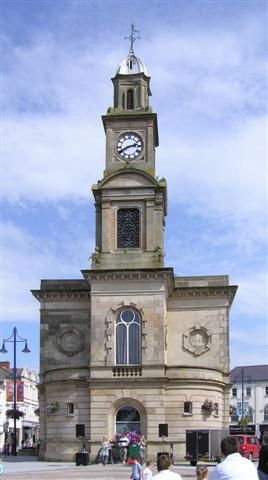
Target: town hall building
x: 131, y: 346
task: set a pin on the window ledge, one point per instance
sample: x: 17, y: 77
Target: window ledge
x: 187, y: 414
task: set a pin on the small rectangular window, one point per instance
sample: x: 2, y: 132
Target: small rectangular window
x: 234, y: 392
x: 216, y: 409
x: 266, y: 391
x: 70, y: 408
x: 188, y: 407
x: 248, y: 392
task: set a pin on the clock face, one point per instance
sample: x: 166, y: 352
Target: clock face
x: 129, y: 145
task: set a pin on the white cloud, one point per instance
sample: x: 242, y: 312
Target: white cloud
x: 226, y: 174
x: 248, y: 343
x: 251, y: 299
x: 27, y: 259
x: 50, y: 158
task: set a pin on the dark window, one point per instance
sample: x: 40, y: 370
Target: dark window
x: 188, y: 407
x: 251, y: 440
x: 128, y: 228
x: 250, y: 414
x: 216, y: 408
x: 234, y: 392
x: 266, y: 390
x: 265, y: 413
x: 123, y: 101
x: 130, y: 100
x: 128, y: 337
x: 70, y: 408
x: 128, y: 420
x: 248, y: 392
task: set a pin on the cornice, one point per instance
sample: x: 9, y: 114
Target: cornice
x: 148, y: 274
x: 58, y: 295
x: 165, y: 274
x: 216, y: 291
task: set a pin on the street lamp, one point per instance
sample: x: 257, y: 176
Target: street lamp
x: 14, y: 338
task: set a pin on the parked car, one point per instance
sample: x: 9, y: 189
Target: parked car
x: 249, y: 446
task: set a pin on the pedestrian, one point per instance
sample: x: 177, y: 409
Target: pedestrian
x: 136, y: 473
x: 147, y: 472
x: 142, y: 445
x: 163, y: 467
x: 234, y: 466
x: 123, y: 443
x: 201, y: 472
x: 263, y: 463
x: 104, y: 453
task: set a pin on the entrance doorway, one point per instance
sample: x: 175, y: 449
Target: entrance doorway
x: 128, y: 419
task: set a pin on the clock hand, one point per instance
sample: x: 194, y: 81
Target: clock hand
x: 127, y: 146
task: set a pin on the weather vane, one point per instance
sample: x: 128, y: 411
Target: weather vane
x: 132, y: 37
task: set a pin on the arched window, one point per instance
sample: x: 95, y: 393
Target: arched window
x: 128, y: 228
x: 130, y: 100
x: 128, y: 420
x: 128, y: 337
x: 265, y: 413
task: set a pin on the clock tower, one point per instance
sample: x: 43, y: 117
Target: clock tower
x: 131, y: 202
x: 131, y: 346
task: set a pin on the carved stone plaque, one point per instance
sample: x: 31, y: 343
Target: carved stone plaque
x: 197, y: 340
x: 70, y: 341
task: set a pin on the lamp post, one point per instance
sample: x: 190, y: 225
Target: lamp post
x: 14, y: 338
x: 243, y: 378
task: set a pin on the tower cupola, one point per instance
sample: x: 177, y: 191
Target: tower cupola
x: 131, y: 83
x: 131, y: 65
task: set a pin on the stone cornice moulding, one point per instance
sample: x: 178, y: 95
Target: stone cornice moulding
x: 135, y: 274
x: 57, y: 295
x: 226, y: 291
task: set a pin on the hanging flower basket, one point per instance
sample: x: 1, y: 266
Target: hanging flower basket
x: 11, y: 413
x: 52, y: 407
x: 208, y: 406
x: 232, y: 409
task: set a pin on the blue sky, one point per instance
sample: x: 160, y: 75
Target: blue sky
x: 207, y: 61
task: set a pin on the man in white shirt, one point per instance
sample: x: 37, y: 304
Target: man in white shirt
x: 123, y: 442
x: 163, y: 465
x: 234, y: 466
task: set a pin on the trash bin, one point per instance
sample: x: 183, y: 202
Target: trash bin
x: 81, y: 458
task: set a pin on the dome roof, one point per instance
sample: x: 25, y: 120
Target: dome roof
x: 131, y: 65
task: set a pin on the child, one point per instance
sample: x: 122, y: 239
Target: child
x: 201, y: 472
x: 136, y: 470
x: 147, y: 472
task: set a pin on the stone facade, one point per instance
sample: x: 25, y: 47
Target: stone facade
x: 180, y: 341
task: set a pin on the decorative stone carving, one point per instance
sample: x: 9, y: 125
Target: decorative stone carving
x: 197, y: 340
x: 70, y: 341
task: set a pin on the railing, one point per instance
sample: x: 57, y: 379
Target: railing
x: 127, y: 371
